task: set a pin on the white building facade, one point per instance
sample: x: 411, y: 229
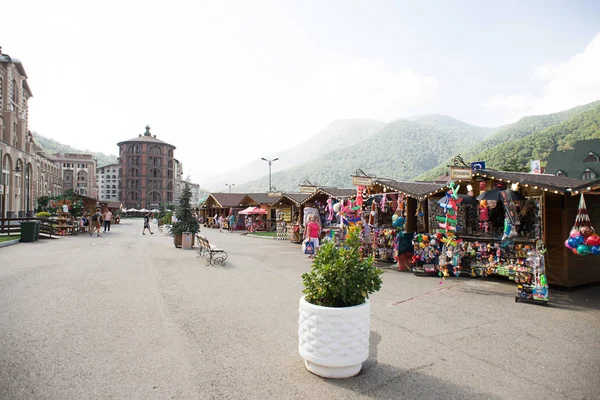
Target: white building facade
x: 108, y: 178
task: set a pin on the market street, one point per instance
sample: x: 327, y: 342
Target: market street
x: 127, y: 316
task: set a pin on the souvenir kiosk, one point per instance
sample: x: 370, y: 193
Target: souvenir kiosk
x: 287, y: 209
x: 518, y: 230
x: 387, y: 203
x: 223, y: 204
x: 322, y: 204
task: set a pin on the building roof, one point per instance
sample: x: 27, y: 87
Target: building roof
x: 557, y: 184
x: 263, y: 198
x: 417, y: 190
x: 296, y: 198
x: 335, y: 193
x: 225, y: 200
x: 8, y: 59
x: 571, y: 162
x: 146, y: 138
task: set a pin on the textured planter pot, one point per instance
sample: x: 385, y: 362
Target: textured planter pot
x: 177, y: 240
x: 334, y: 342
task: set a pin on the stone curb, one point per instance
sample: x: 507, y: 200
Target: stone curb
x: 9, y: 243
x: 261, y: 237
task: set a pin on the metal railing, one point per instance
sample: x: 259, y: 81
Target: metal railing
x: 12, y: 226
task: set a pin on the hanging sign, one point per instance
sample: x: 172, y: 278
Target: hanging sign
x: 362, y: 181
x: 477, y: 165
x: 305, y: 189
x: 460, y: 173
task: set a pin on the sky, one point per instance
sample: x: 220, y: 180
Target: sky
x: 228, y: 82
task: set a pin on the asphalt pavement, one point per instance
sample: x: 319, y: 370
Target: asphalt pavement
x: 127, y: 316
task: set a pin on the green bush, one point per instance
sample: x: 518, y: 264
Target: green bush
x: 43, y: 214
x: 339, y: 276
x: 166, y: 219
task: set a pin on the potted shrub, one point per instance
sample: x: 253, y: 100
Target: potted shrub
x: 186, y: 223
x: 333, y: 334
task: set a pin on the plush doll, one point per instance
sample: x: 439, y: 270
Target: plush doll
x: 329, y: 209
x: 359, y: 195
x: 383, y: 203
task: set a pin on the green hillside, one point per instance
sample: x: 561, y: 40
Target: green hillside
x: 52, y: 146
x: 538, y: 146
x: 400, y: 150
x: 518, y: 132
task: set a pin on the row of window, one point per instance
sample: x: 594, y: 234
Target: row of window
x: 74, y: 165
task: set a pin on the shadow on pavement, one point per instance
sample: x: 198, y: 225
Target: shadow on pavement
x: 382, y: 381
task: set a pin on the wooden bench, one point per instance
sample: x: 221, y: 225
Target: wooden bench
x: 213, y: 254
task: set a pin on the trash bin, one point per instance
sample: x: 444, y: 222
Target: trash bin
x: 38, y: 225
x: 186, y: 240
x: 30, y: 231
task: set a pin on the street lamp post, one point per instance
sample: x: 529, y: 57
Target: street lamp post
x: 230, y: 185
x: 270, y: 161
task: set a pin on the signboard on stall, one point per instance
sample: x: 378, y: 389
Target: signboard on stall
x: 460, y: 173
x: 477, y: 165
x: 305, y: 189
x: 362, y: 181
x: 536, y: 167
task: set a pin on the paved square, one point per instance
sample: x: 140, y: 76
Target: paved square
x: 127, y: 316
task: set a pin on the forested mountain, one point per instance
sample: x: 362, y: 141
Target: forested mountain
x: 337, y: 135
x: 538, y: 145
x: 400, y: 150
x: 499, y: 152
x: 52, y: 146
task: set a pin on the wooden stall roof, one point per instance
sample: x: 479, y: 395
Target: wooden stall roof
x: 417, y: 190
x: 587, y: 187
x: 335, y: 193
x: 263, y: 198
x: 296, y: 198
x: 113, y: 204
x: 547, y: 183
x: 224, y: 200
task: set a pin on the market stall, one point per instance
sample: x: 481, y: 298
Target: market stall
x: 287, y: 214
x: 518, y: 230
x: 322, y: 204
x: 223, y: 204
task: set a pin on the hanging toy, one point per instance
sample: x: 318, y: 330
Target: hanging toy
x: 372, y: 214
x: 359, y: 195
x: 582, y: 239
x: 383, y: 203
x: 329, y: 209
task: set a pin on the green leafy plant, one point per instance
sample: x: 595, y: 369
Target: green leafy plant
x: 185, y: 216
x: 339, y: 276
x: 166, y: 219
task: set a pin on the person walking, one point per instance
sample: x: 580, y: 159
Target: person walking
x: 147, y: 224
x: 96, y: 220
x: 231, y: 222
x: 221, y: 221
x: 312, y: 233
x: 107, y: 219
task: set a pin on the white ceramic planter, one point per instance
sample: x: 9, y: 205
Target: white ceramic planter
x: 334, y: 342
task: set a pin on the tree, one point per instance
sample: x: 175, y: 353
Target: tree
x: 186, y: 222
x: 513, y: 165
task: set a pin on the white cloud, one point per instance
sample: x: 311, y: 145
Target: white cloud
x: 369, y: 88
x: 565, y: 85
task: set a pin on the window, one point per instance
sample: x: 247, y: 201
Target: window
x: 560, y: 173
x: 591, y: 158
x: 589, y: 175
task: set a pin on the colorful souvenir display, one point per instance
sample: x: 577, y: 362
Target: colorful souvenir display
x: 582, y: 239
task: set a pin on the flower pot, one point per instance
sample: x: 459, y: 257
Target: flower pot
x: 334, y: 342
x: 177, y: 240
